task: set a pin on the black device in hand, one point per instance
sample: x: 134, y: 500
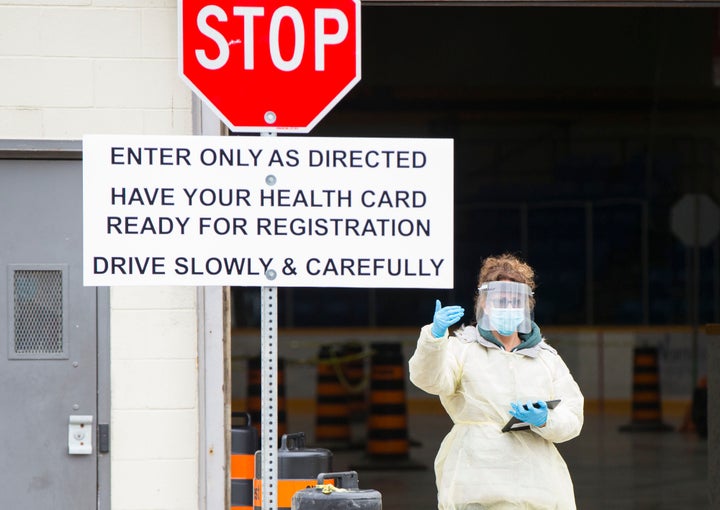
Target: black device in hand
x: 536, y: 405
x: 515, y: 424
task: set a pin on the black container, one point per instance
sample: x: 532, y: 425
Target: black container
x: 298, y: 468
x: 242, y: 468
x: 344, y: 495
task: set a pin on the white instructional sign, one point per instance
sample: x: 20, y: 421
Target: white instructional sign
x: 268, y: 211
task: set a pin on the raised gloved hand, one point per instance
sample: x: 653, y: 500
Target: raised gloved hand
x: 444, y: 318
x: 534, y: 414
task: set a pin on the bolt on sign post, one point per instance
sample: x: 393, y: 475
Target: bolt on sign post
x: 269, y: 66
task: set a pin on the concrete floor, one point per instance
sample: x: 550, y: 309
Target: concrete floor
x: 611, y: 470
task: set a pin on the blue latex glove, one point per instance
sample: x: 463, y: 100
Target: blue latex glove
x: 528, y: 413
x: 444, y: 318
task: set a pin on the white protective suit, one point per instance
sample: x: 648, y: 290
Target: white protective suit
x: 478, y: 466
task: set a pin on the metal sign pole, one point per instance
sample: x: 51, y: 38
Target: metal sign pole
x: 269, y: 407
x: 268, y: 379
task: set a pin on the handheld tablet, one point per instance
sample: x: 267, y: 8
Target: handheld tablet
x: 515, y: 424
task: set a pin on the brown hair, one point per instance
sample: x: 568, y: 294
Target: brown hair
x: 505, y: 267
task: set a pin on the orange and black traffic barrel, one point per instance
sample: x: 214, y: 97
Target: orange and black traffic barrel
x: 332, y: 406
x: 646, y: 400
x: 388, y: 445
x: 387, y: 422
x: 353, y: 370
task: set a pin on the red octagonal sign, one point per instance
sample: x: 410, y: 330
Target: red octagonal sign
x: 266, y: 66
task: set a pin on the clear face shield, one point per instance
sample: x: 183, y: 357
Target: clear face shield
x: 504, y: 307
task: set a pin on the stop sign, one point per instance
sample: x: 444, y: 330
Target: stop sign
x: 270, y: 65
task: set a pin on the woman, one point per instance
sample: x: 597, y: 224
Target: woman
x: 486, y: 374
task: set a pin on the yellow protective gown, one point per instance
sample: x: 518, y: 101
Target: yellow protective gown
x: 478, y: 466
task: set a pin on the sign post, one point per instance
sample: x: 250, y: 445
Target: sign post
x: 269, y: 389
x: 269, y: 398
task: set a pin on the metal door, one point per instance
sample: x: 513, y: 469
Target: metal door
x: 48, y: 340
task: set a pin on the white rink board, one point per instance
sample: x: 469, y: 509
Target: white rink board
x: 268, y: 211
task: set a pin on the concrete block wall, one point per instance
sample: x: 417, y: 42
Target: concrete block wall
x: 154, y: 381
x: 75, y: 67
x: 71, y: 68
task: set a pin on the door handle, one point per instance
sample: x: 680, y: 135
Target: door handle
x: 80, y: 433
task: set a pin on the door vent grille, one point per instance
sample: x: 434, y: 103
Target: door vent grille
x: 38, y: 314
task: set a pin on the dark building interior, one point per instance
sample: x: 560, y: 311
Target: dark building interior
x: 576, y: 131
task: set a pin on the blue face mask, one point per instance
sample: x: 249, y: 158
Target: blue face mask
x: 506, y: 320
